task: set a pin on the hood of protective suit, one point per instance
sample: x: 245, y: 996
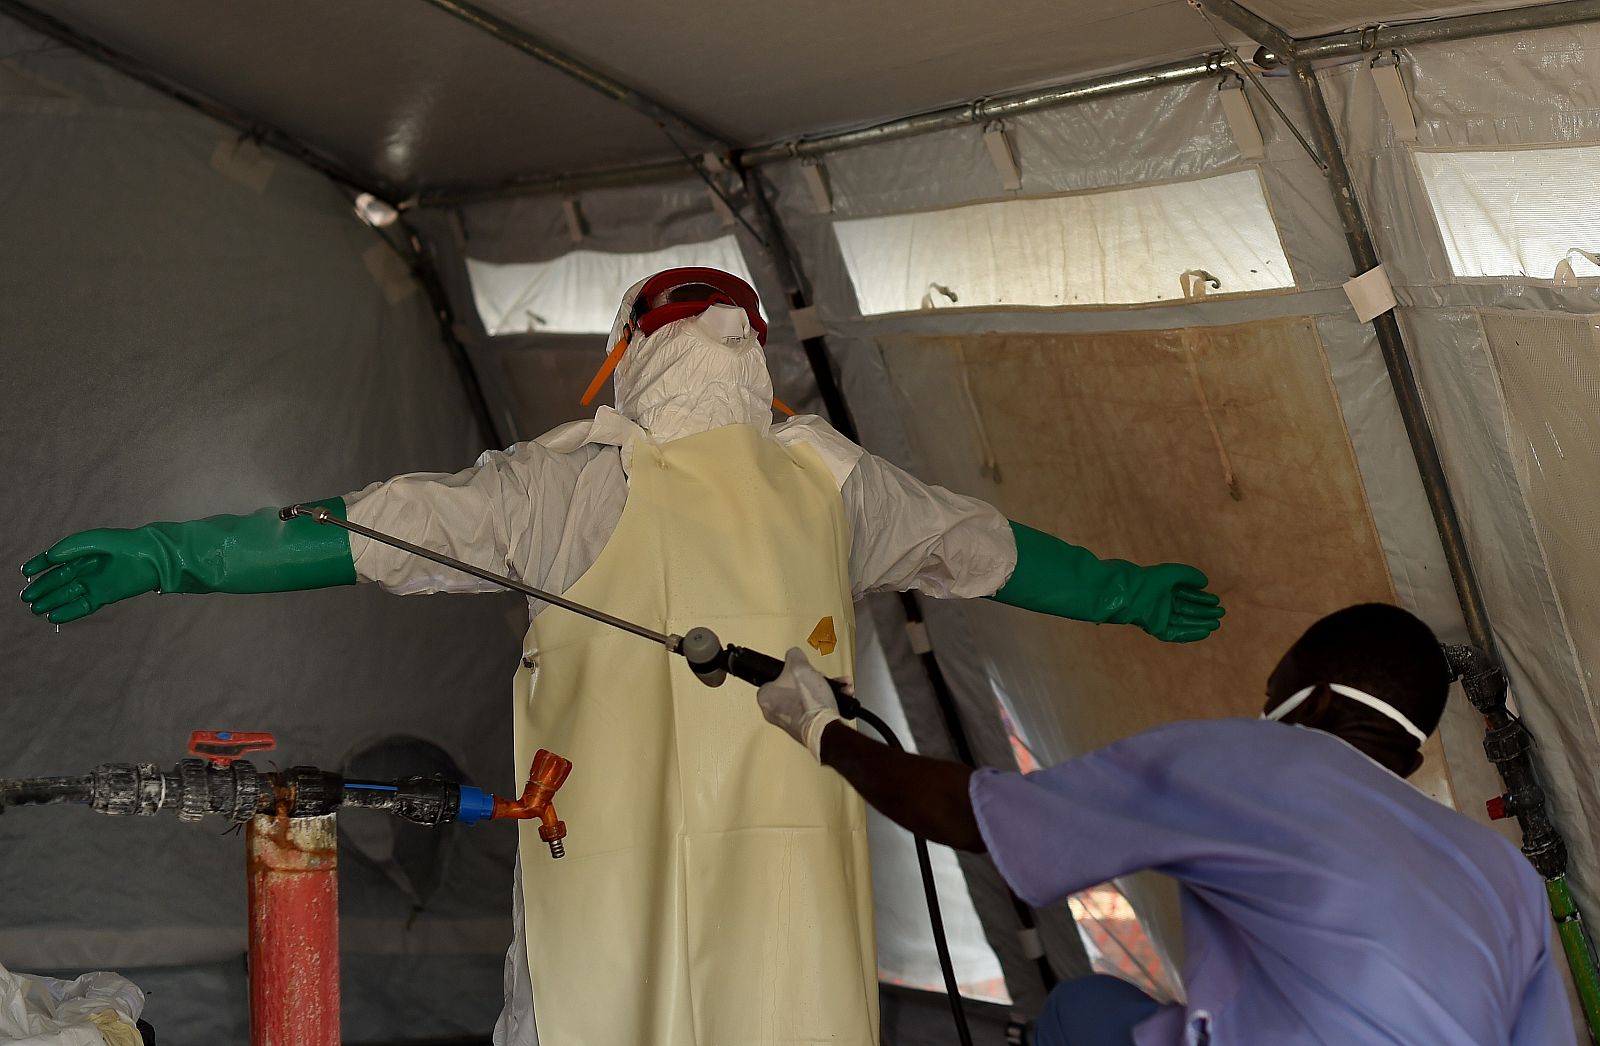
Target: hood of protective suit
x: 695, y: 374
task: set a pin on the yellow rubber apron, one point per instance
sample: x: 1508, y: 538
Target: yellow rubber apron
x: 716, y: 889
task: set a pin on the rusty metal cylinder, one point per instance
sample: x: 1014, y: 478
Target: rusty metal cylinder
x: 294, y: 931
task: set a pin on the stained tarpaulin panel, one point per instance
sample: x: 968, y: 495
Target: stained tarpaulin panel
x: 1549, y: 368
x: 1116, y: 247
x: 1223, y: 447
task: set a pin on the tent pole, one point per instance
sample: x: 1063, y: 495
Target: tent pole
x: 592, y: 78
x: 1575, y: 939
x: 786, y: 259
x: 613, y: 176
x: 976, y: 112
x: 1254, y: 26
x: 1440, y: 30
x: 1408, y: 396
x: 426, y: 273
x: 1332, y: 46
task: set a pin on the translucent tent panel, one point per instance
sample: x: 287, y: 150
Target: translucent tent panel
x: 1516, y: 212
x: 1116, y: 247
x: 1221, y: 446
x: 577, y: 293
x: 905, y: 936
x: 1224, y: 447
x: 1549, y: 369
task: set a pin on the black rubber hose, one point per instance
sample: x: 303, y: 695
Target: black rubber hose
x: 930, y: 890
x: 45, y: 791
x: 759, y: 669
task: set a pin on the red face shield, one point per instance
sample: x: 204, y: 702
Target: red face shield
x: 677, y: 294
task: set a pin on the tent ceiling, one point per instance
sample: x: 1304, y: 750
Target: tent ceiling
x: 408, y: 93
x: 761, y: 72
x: 404, y: 93
x: 397, y: 90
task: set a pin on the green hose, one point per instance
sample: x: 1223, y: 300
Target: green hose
x: 1580, y: 957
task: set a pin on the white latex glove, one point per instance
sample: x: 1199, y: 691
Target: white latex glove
x: 800, y: 701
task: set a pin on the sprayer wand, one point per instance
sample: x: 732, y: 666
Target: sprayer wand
x: 710, y: 661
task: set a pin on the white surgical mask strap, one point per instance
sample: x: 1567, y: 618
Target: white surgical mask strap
x: 1382, y: 707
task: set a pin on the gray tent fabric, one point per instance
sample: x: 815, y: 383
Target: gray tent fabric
x: 193, y: 325
x: 181, y: 341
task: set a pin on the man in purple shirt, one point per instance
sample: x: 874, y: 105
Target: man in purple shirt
x: 1324, y: 899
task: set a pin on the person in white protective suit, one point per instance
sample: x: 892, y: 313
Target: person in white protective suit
x: 716, y: 886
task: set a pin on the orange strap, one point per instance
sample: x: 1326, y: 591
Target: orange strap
x: 604, y: 373
x: 782, y: 407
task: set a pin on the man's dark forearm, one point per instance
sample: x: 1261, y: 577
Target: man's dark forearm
x: 926, y: 796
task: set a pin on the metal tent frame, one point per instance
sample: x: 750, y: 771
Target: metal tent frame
x: 1279, y: 48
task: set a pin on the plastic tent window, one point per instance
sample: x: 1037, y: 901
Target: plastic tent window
x: 1516, y: 212
x: 578, y: 292
x: 1116, y: 247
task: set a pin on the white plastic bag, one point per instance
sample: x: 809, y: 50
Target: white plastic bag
x: 97, y: 1009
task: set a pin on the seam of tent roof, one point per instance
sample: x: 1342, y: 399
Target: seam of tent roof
x: 515, y: 36
x: 412, y: 252
x: 258, y: 130
x: 983, y: 110
x: 1278, y: 44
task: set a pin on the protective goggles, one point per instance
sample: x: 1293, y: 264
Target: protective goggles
x: 677, y: 294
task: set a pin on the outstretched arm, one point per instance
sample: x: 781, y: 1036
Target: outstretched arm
x: 86, y: 571
x: 1168, y: 600
x: 908, y: 535
x: 926, y: 796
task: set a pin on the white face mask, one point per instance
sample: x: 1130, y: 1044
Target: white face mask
x: 695, y: 375
x: 727, y: 324
x: 1360, y: 697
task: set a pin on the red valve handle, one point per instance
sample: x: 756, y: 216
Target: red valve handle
x: 222, y: 747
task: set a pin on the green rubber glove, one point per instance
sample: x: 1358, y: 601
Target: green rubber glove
x: 1168, y: 601
x: 256, y: 553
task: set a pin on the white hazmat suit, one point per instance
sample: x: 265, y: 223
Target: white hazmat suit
x: 544, y: 511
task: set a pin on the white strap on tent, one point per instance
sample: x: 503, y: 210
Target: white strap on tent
x: 817, y: 181
x: 917, y: 633
x: 569, y: 207
x: 1197, y: 283
x: 242, y: 160
x: 1370, y: 294
x: 1395, y: 97
x: 1002, y: 156
x: 1565, y: 275
x: 807, y: 324
x: 1241, y: 120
